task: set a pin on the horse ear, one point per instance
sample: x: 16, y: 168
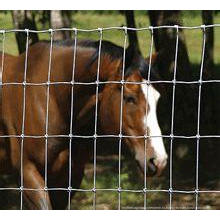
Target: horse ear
x: 154, y: 66
x: 154, y: 74
x: 132, y: 56
x: 154, y: 58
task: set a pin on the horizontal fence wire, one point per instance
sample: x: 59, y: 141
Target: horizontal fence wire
x: 110, y: 136
x: 196, y: 191
x: 111, y: 28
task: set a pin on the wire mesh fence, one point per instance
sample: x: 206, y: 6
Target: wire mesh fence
x: 170, y: 191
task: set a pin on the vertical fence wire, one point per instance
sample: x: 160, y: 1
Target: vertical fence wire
x: 23, y: 119
x: 96, y: 117
x: 47, y: 116
x: 146, y: 138
x: 198, y: 118
x: 71, y: 119
x: 121, y: 116
x: 172, y: 117
x: 3, y: 54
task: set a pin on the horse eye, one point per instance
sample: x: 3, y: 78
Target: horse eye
x: 130, y: 99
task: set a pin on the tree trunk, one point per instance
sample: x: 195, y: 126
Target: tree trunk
x: 185, y: 95
x: 67, y: 18
x: 24, y: 20
x: 132, y: 35
x: 207, y: 18
x: 165, y: 44
x: 211, y: 102
x: 60, y: 19
x: 45, y: 18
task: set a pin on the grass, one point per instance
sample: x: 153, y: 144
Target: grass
x: 90, y: 19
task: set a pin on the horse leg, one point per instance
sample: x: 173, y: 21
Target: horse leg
x: 32, y: 179
x: 59, y: 179
x: 60, y: 198
x: 81, y: 156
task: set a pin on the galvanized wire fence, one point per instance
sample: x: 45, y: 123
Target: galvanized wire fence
x: 171, y: 191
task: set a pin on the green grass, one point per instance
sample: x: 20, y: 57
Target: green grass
x: 107, y: 178
x: 89, y: 20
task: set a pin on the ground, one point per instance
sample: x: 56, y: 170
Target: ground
x: 107, y: 177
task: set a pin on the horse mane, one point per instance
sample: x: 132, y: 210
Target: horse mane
x: 133, y: 59
x: 115, y: 52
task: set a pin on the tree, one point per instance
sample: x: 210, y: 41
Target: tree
x: 60, y: 19
x: 207, y: 18
x: 132, y: 35
x: 185, y: 116
x: 24, y: 20
x: 44, y: 18
x: 67, y: 18
x: 165, y: 44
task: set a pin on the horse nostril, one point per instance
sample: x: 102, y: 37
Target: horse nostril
x: 152, y: 168
x: 151, y: 160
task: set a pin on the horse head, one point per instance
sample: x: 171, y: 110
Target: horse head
x: 139, y: 128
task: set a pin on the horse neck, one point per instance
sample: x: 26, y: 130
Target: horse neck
x: 86, y: 69
x: 7, y: 65
x: 108, y: 70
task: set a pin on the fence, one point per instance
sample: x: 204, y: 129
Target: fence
x: 171, y: 191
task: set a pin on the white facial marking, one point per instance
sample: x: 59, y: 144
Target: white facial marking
x: 150, y: 120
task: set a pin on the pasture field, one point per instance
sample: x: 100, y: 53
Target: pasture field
x: 107, y: 163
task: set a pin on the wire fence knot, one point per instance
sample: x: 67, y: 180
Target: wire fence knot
x: 75, y: 30
x: 70, y: 189
x: 21, y: 188
x: 125, y: 30
x: 45, y: 188
x: 27, y: 31
x: 200, y: 81
x: 174, y: 81
x: 177, y: 28
x: 151, y: 28
x: 144, y: 190
x: 203, y: 27
x: 51, y: 31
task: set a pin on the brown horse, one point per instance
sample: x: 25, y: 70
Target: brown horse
x: 48, y: 117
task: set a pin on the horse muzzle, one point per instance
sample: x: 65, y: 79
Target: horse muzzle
x: 160, y: 165
x: 154, y: 167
